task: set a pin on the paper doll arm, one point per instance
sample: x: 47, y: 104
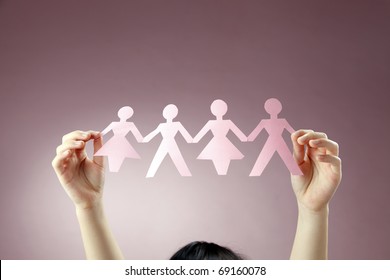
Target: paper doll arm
x: 185, y: 133
x: 107, y: 129
x: 136, y: 133
x: 288, y: 127
x: 202, y: 132
x: 83, y: 180
x: 317, y: 156
x: 151, y: 135
x: 256, y: 131
x: 237, y: 132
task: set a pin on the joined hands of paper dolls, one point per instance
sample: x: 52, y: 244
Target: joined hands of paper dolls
x: 220, y: 150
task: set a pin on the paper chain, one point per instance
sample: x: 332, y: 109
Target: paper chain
x: 220, y: 150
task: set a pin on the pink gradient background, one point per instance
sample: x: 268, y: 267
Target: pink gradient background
x: 67, y: 65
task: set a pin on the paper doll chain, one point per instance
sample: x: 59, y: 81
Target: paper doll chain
x: 220, y: 150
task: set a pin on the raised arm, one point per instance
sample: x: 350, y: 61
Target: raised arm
x: 317, y: 156
x: 202, y: 132
x: 83, y: 181
x: 237, y: 131
x: 185, y: 133
x: 256, y: 131
x: 151, y: 135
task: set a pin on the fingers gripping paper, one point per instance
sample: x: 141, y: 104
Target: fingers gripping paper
x: 220, y: 150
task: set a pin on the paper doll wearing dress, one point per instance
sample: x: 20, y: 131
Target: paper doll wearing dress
x: 118, y: 148
x: 220, y: 149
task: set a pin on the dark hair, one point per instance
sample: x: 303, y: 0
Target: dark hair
x: 201, y: 250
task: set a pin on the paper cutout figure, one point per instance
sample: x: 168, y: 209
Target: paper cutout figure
x: 275, y: 142
x: 168, y: 145
x: 220, y: 150
x: 118, y: 148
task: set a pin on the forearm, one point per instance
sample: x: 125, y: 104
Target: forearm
x: 98, y: 240
x: 311, y: 238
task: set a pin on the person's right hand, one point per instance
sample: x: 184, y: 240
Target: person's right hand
x: 81, y: 177
x: 318, y: 158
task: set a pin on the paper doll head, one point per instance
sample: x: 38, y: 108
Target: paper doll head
x: 125, y: 113
x: 170, y: 112
x: 273, y: 106
x: 218, y: 108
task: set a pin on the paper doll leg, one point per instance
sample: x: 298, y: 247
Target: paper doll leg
x: 288, y: 160
x: 221, y: 166
x: 179, y: 162
x: 263, y: 159
x: 115, y: 163
x: 157, y: 160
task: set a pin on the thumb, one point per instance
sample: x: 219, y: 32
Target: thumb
x: 97, y: 144
x: 298, y: 149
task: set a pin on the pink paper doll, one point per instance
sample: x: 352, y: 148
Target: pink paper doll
x: 275, y: 142
x: 168, y: 130
x: 220, y: 150
x: 118, y: 148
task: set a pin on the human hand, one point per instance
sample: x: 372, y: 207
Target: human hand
x: 317, y: 157
x: 81, y: 177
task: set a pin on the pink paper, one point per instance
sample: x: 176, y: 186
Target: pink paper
x: 168, y: 145
x: 220, y: 150
x: 118, y: 148
x: 275, y: 142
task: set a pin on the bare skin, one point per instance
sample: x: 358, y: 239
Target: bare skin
x: 83, y: 181
x: 317, y: 156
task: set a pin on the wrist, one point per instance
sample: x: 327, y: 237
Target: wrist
x: 95, y: 203
x: 93, y: 210
x: 305, y: 212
